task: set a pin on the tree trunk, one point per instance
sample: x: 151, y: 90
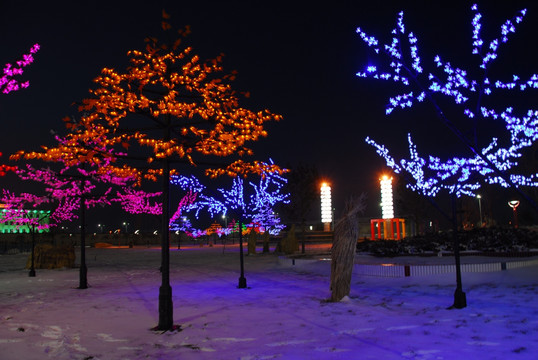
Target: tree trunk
x: 346, y: 233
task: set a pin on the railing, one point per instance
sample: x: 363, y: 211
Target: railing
x: 396, y: 270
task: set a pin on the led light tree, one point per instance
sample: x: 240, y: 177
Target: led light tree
x: 70, y: 191
x: 257, y: 209
x: 8, y: 81
x: 167, y: 107
x: 78, y: 184
x: 20, y: 210
x: 268, y: 193
x: 493, y: 163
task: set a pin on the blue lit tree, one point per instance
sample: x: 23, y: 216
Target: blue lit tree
x: 493, y: 162
x: 258, y: 208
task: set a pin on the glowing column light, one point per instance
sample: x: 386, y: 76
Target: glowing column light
x: 387, y: 208
x: 326, y: 207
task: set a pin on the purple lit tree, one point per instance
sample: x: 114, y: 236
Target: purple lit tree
x: 21, y: 212
x: 69, y: 192
x: 76, y: 187
x: 8, y: 83
x: 496, y: 160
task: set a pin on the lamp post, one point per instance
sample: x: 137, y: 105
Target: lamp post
x: 126, y: 224
x: 31, y: 273
x: 514, y: 204
x: 242, y: 279
x: 480, y: 208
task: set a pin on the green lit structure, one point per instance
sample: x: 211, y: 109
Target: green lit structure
x: 11, y: 227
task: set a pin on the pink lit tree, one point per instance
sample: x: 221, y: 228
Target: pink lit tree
x: 8, y: 81
x: 74, y: 189
x: 18, y: 212
x: 68, y: 195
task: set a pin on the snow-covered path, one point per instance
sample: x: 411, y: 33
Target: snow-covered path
x: 282, y: 315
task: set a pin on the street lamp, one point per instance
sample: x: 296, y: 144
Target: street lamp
x: 514, y: 204
x: 480, y: 208
x: 126, y: 224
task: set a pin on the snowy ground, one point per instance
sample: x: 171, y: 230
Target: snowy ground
x: 282, y: 315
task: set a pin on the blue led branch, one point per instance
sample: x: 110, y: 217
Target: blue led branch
x: 494, y: 163
x: 259, y: 209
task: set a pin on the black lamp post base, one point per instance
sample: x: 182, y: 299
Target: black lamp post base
x: 83, y: 278
x: 460, y: 300
x: 31, y: 273
x: 166, y: 309
x: 242, y: 283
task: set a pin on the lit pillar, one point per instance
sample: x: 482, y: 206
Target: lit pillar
x: 387, y: 208
x: 326, y: 207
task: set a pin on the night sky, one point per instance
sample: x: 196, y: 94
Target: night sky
x: 297, y: 59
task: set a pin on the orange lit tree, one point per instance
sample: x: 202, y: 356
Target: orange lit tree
x: 168, y: 107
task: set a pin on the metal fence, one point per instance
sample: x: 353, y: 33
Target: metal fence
x: 395, y: 270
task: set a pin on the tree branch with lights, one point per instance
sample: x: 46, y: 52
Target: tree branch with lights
x: 8, y: 81
x: 493, y: 163
x: 258, y: 208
